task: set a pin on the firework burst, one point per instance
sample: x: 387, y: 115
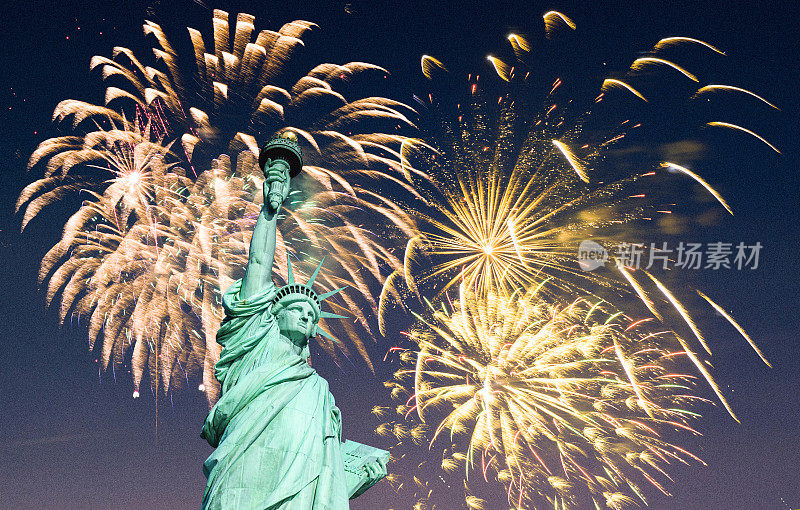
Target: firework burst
x: 565, y: 404
x: 513, y: 187
x: 172, y: 184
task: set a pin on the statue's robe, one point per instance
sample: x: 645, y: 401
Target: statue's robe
x: 276, y: 428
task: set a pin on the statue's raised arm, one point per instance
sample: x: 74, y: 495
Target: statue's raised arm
x: 280, y: 160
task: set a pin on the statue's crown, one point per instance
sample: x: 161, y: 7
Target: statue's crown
x: 294, y: 291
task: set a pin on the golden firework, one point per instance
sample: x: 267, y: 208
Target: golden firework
x: 512, y: 189
x: 565, y: 403
x: 172, y: 191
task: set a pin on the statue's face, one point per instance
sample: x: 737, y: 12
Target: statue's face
x: 297, y: 322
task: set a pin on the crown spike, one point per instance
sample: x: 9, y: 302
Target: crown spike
x: 290, y: 275
x: 329, y: 315
x: 328, y: 336
x: 322, y: 297
x: 316, y: 272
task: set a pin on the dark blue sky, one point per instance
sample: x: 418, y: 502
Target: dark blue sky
x: 72, y: 439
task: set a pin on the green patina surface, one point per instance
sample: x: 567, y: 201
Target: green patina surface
x: 276, y: 427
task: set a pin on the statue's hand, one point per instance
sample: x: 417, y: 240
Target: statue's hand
x: 375, y: 470
x: 276, y: 186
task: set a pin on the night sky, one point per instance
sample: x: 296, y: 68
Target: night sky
x: 72, y: 438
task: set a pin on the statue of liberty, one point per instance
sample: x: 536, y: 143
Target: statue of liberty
x: 276, y: 427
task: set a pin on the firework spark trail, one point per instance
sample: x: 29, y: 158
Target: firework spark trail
x: 608, y: 83
x: 147, y: 255
x: 641, y: 63
x: 672, y: 41
x: 710, y: 88
x: 744, y: 130
x: 700, y: 180
x: 737, y: 326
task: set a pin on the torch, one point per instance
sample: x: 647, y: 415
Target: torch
x: 283, y: 151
